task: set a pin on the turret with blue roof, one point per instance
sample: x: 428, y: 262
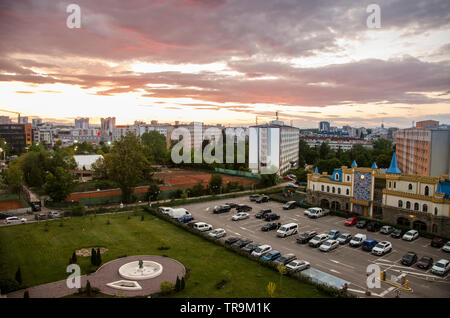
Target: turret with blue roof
x: 316, y: 171
x: 354, y: 164
x: 393, y: 168
x: 374, y: 165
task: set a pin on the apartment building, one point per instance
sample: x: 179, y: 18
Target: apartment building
x: 17, y: 136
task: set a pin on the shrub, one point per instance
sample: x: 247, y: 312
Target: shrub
x: 19, y: 276
x: 26, y: 294
x: 88, y: 289
x: 74, y: 258
x: 8, y: 285
x: 182, y: 284
x: 78, y: 210
x: 93, y: 256
x: 178, y: 285
x: 166, y: 288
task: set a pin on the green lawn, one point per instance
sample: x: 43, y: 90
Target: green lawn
x: 43, y: 256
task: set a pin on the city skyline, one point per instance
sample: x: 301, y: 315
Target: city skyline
x: 228, y: 62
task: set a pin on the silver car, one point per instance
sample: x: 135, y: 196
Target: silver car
x: 297, y: 265
x: 217, y: 233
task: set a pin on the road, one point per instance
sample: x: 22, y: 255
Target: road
x: 344, y: 262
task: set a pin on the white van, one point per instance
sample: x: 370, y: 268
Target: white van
x: 164, y: 209
x: 357, y: 240
x: 202, y: 226
x: 178, y: 213
x: 316, y: 213
x: 287, y: 229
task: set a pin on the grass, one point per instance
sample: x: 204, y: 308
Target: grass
x: 43, y: 256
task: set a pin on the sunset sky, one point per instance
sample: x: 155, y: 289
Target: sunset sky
x: 227, y: 61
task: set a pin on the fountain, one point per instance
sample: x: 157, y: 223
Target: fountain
x: 140, y: 270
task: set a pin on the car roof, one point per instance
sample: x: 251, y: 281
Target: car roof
x: 443, y: 261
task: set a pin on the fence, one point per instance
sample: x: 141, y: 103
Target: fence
x: 238, y: 173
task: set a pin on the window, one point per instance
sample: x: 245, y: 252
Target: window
x: 328, y: 188
x: 336, y: 176
x: 416, y: 206
x: 348, y: 178
x: 395, y: 185
x: 427, y: 190
x: 410, y: 186
x: 347, y: 192
x: 435, y: 211
x: 400, y: 203
x: 408, y: 205
x: 339, y: 190
x: 333, y: 190
x: 323, y: 188
x: 425, y: 208
x: 390, y: 184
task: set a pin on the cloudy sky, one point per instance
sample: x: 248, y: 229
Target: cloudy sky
x: 227, y: 61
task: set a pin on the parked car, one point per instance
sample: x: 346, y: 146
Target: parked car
x: 351, y: 221
x: 262, y: 213
x: 185, y: 218
x: 317, y: 213
x: 287, y: 230
x: 386, y: 229
x: 253, y: 197
x: 329, y: 245
x: 437, y: 242
x: 373, y: 226
x: 333, y: 234
x: 441, y: 267
x: 14, y: 220
x: 290, y: 205
x: 411, y: 235
x: 357, y: 240
x: 425, y: 262
x: 297, y: 265
x: 240, y: 216
x: 232, y: 240
x: 221, y: 209
x: 397, y: 233
x: 261, y: 250
x: 409, y: 258
x: 164, y: 209
x: 368, y: 244
x: 288, y: 178
x: 270, y: 226
x: 217, y: 233
x: 271, y: 217
x: 35, y: 206
x: 361, y: 224
x: 308, y: 211
x: 317, y: 240
x: 243, y: 208
x: 202, y: 226
x: 4, y: 216
x: 446, y: 247
x: 262, y: 199
x: 285, y: 259
x: 250, y: 247
x: 382, y: 248
x: 305, y: 237
x: 292, y: 176
x: 271, y: 256
x: 292, y: 185
x: 344, y: 238
x: 232, y: 205
x: 242, y: 243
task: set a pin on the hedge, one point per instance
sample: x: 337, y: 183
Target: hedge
x: 333, y: 292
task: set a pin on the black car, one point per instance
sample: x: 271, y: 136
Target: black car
x: 425, y: 262
x: 270, y: 227
x: 409, y: 258
x: 250, y: 247
x: 271, y: 217
x: 253, y: 197
x: 304, y: 237
x: 373, y: 226
x: 397, y: 233
x: 232, y: 240
x: 232, y: 205
x: 261, y: 214
x: 243, y: 208
x: 221, y: 209
x: 290, y: 205
x: 361, y: 224
x: 242, y: 243
x: 262, y: 199
x: 35, y: 206
x: 285, y: 259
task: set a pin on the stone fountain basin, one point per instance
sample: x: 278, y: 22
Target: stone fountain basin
x: 132, y: 271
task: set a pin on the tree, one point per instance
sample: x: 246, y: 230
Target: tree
x: 88, y: 289
x: 74, y: 258
x: 19, y: 276
x: 153, y: 192
x: 324, y: 150
x: 99, y: 257
x: 128, y: 165
x: 14, y: 178
x: 155, y: 146
x: 26, y: 294
x: 182, y: 285
x: 215, y: 183
x: 59, y: 185
x: 178, y: 284
x: 268, y: 180
x: 271, y: 287
x: 93, y: 256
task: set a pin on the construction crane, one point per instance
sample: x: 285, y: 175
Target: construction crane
x: 10, y: 111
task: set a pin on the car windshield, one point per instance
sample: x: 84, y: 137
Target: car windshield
x: 380, y: 245
x: 327, y: 243
x: 283, y: 229
x: 439, y: 265
x: 357, y: 239
x: 350, y: 220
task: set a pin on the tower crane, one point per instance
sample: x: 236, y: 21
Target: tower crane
x: 10, y: 111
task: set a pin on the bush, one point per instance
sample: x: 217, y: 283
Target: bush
x: 8, y: 285
x: 166, y: 288
x: 88, y: 289
x: 26, y: 294
x: 78, y: 210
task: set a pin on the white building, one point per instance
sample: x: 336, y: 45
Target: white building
x: 273, y: 146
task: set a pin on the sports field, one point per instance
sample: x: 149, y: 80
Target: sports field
x: 10, y: 202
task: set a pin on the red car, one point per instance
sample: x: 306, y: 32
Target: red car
x: 351, y: 221
x: 437, y: 242
x: 287, y: 178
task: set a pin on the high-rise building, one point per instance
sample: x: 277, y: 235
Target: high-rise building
x: 424, y: 151
x: 427, y: 123
x: 36, y: 122
x: 82, y: 123
x: 5, y: 120
x: 107, y: 127
x: 17, y: 136
x: 23, y: 120
x: 324, y: 126
x: 273, y: 146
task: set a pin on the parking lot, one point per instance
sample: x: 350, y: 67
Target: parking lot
x: 344, y: 262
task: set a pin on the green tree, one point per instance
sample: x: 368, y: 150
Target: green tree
x: 153, y: 192
x: 14, y: 177
x: 324, y: 150
x: 155, y: 146
x: 59, y: 185
x: 26, y: 294
x: 215, y: 183
x: 268, y: 180
x: 19, y: 276
x: 182, y: 285
x: 166, y: 287
x: 128, y: 165
x: 74, y: 258
x: 88, y: 289
x: 93, y: 256
x: 178, y: 284
x: 98, y: 257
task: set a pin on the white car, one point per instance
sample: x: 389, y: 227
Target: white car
x: 382, y: 248
x: 164, y: 209
x: 446, y: 247
x: 441, y: 267
x: 54, y: 214
x: 297, y: 265
x: 410, y: 235
x: 292, y: 185
x: 14, y: 220
x: 357, y: 240
x: 261, y: 250
x: 240, y: 216
x: 217, y: 233
x: 329, y: 245
x: 317, y: 240
x: 202, y: 226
